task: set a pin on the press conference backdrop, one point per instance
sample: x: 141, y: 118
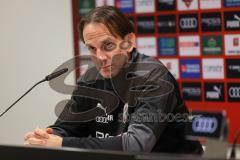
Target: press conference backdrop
x: 197, y: 40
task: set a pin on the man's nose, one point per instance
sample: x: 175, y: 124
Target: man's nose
x: 101, y: 55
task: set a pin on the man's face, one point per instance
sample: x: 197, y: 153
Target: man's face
x: 104, y: 49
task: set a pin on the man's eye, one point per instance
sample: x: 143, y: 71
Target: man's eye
x: 109, y: 46
x: 91, y: 49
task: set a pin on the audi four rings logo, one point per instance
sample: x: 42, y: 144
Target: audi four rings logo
x: 204, y: 124
x: 234, y: 92
x: 188, y: 23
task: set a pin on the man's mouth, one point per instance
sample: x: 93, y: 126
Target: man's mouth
x: 106, y: 66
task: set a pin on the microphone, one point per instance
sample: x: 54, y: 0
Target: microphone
x: 47, y: 78
x: 56, y: 74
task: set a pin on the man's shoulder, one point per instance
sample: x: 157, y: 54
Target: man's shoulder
x: 90, y: 77
x: 154, y: 67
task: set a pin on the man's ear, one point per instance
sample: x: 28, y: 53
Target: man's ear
x: 131, y: 38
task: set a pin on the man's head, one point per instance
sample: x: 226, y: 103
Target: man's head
x: 110, y: 38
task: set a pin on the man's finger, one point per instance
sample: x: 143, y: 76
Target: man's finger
x: 32, y: 134
x: 41, y: 133
x: 35, y: 141
x: 28, y: 135
x: 49, y: 130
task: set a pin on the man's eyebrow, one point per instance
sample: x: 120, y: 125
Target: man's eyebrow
x: 88, y: 45
x: 109, y: 39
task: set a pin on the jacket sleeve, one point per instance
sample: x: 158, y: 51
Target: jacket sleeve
x: 77, y: 134
x: 66, y: 126
x: 69, y: 129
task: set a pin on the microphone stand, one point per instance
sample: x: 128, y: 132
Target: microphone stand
x: 47, y: 78
x: 22, y: 96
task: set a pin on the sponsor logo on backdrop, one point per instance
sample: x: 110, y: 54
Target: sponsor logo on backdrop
x: 188, y: 23
x: 232, y: 44
x: 233, y: 68
x: 125, y: 6
x: 99, y: 3
x: 210, y: 4
x: 235, y: 41
x: 232, y: 21
x: 232, y: 3
x: 166, y: 24
x: 85, y: 6
x: 233, y: 92
x: 211, y: 22
x: 205, y: 125
x: 214, y: 91
x: 213, y: 68
x: 145, y: 24
x: 147, y: 45
x: 164, y: 5
x: 190, y: 68
x: 192, y: 91
x: 144, y: 6
x: 212, y: 45
x: 189, y: 46
x: 187, y: 4
x: 172, y: 65
x: 167, y: 46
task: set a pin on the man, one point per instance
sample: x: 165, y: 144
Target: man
x: 132, y: 101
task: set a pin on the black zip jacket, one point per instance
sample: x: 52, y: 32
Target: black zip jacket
x: 138, y: 110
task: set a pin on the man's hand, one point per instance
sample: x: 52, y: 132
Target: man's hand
x: 43, y: 137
